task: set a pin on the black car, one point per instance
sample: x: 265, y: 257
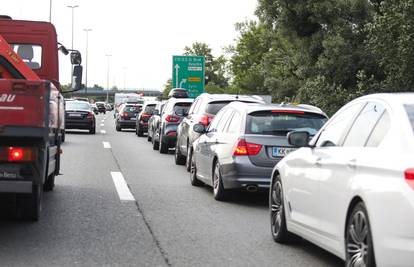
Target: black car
x: 127, y: 116
x: 143, y: 118
x: 153, y: 123
x: 205, y: 107
x: 101, y: 107
x: 79, y: 115
x: 174, y: 111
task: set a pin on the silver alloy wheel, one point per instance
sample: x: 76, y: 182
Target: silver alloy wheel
x: 357, y: 244
x: 216, y: 179
x: 276, y: 208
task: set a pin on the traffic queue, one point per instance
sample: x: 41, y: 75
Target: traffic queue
x: 333, y: 182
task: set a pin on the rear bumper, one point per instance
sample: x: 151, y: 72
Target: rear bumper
x: 127, y: 124
x: 143, y: 127
x: 85, y: 125
x: 241, y: 173
x: 169, y: 140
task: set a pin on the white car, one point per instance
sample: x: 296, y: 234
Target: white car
x: 350, y: 190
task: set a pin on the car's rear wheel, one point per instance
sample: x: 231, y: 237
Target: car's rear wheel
x: 219, y: 192
x: 179, y: 159
x: 358, y: 239
x: 92, y: 130
x: 140, y: 133
x: 188, y: 159
x: 155, y: 144
x: 118, y: 128
x: 193, y: 173
x: 149, y: 138
x: 278, y: 226
x: 163, y: 146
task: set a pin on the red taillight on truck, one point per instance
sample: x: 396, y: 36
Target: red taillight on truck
x: 17, y: 154
x: 409, y: 177
x: 171, y: 118
x: 244, y: 148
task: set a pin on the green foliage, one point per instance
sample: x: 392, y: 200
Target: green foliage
x: 167, y: 89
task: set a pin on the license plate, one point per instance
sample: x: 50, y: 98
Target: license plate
x: 281, y: 151
x: 77, y: 115
x: 133, y: 119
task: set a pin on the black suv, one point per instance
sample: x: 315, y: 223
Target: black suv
x: 205, y: 107
x: 174, y: 111
x: 127, y: 116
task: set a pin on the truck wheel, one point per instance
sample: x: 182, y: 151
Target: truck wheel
x: 49, y: 183
x: 30, y: 205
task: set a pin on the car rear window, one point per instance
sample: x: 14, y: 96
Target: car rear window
x: 410, y: 112
x: 72, y: 105
x: 133, y: 109
x: 182, y: 106
x: 149, y: 108
x: 280, y: 123
x: 214, y: 107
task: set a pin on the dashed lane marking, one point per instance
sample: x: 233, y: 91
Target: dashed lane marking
x: 106, y: 144
x: 103, y: 132
x: 121, y: 187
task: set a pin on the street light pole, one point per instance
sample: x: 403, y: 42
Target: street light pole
x: 50, y: 11
x: 107, y: 79
x: 73, y: 19
x: 125, y: 69
x: 86, y: 68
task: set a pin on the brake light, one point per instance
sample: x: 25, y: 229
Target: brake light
x: 124, y: 115
x: 172, y: 133
x: 145, y: 116
x: 90, y: 115
x: 409, y: 177
x: 171, y: 118
x: 205, y: 120
x: 19, y: 154
x: 244, y: 148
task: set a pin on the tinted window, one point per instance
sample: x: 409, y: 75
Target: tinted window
x: 380, y: 130
x: 235, y: 123
x: 214, y: 107
x: 276, y: 123
x: 363, y: 125
x: 132, y: 109
x: 181, y: 107
x: 72, y: 105
x: 149, y: 108
x: 335, y: 130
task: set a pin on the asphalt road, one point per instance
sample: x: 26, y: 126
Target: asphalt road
x: 168, y: 222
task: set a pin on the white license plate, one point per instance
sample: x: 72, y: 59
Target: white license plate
x: 77, y: 115
x: 282, y: 151
x: 133, y: 119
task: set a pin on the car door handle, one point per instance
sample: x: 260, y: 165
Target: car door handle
x: 352, y: 164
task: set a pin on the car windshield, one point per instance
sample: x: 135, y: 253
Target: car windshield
x: 410, y: 112
x: 133, y: 109
x: 149, y: 108
x: 277, y: 123
x: 73, y: 105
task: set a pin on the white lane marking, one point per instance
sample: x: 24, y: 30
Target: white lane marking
x: 103, y: 132
x: 106, y: 144
x: 103, y: 120
x: 121, y: 187
x: 102, y: 125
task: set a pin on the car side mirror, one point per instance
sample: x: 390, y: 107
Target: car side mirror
x: 298, y: 138
x: 199, y: 128
x: 77, y: 77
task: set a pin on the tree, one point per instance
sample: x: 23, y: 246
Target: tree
x: 167, y: 89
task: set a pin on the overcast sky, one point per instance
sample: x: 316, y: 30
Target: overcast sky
x: 140, y: 35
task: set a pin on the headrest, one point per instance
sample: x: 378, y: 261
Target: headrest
x: 25, y: 52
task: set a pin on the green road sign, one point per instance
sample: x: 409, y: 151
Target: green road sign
x: 188, y: 73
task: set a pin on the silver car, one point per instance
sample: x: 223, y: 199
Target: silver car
x: 245, y: 141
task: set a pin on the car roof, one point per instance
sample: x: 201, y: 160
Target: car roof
x: 79, y: 101
x: 181, y: 100
x: 254, y: 107
x: 223, y: 97
x: 391, y: 98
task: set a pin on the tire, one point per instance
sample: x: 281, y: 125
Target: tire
x: 140, y: 133
x: 358, y: 238
x: 179, y: 159
x: 118, y: 128
x: 278, y: 227
x: 149, y: 139
x: 63, y: 137
x: 188, y: 159
x: 155, y: 144
x: 49, y: 184
x: 92, y: 130
x: 193, y: 174
x: 219, y: 192
x: 163, y: 147
x: 29, y: 206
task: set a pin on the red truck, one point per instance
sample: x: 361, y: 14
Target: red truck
x: 31, y: 111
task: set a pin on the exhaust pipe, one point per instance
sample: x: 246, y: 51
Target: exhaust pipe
x: 251, y: 188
